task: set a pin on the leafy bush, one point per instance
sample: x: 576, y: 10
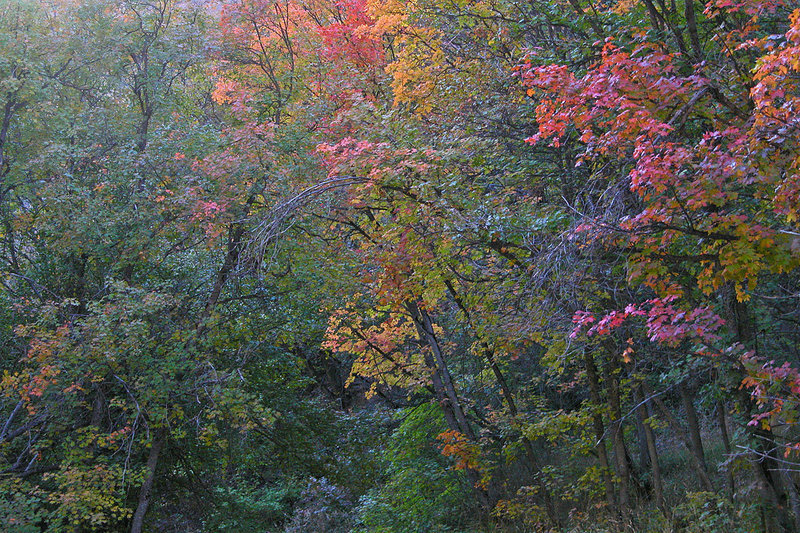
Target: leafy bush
x: 706, y: 512
x: 422, y: 493
x: 323, y: 508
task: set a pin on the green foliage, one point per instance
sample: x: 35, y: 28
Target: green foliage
x: 23, y: 507
x: 238, y: 506
x: 421, y: 492
x: 713, y: 513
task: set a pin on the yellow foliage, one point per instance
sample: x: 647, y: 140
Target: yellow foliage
x: 624, y: 6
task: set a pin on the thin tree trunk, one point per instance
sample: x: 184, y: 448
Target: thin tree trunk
x: 658, y: 486
x: 702, y: 473
x: 691, y: 23
x: 655, y: 16
x: 438, y: 389
x: 599, y: 429
x: 508, y: 397
x: 488, y: 352
x: 10, y: 420
x: 593, y: 22
x: 764, y: 464
x: 446, y: 392
x: 694, y: 426
x: 791, y: 493
x: 235, y: 237
x: 427, y: 334
x: 144, y: 493
x: 641, y: 416
x: 770, y: 503
x: 726, y: 443
x: 618, y: 438
x: 142, y: 131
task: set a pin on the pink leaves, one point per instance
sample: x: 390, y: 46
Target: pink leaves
x: 357, y: 157
x: 669, y: 325
x: 776, y: 389
x: 207, y: 210
x: 665, y: 323
x: 348, y: 38
x: 750, y: 7
x: 712, y: 161
x: 621, y: 96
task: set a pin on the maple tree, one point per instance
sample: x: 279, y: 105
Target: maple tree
x: 709, y: 213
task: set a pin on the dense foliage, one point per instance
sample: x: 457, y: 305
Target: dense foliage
x: 399, y: 266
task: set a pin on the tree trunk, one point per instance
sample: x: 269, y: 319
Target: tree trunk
x: 764, y: 464
x: 791, y: 493
x: 147, y: 487
x: 726, y: 443
x: 446, y: 392
x: 691, y: 23
x: 644, y: 454
x: 441, y: 395
x: 770, y: 502
x: 10, y: 420
x: 508, y: 397
x: 702, y: 473
x: 599, y: 429
x: 596, y: 27
x: 695, y: 439
x: 426, y: 333
x: 142, y: 131
x: 618, y: 438
x: 652, y: 451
